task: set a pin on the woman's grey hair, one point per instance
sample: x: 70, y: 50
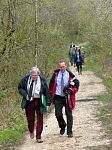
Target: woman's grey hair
x: 35, y: 69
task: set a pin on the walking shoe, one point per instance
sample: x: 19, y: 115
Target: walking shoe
x: 39, y: 141
x: 70, y: 135
x: 31, y: 135
x: 62, y: 131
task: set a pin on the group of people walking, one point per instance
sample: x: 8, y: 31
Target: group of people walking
x: 60, y: 92
x: 76, y: 56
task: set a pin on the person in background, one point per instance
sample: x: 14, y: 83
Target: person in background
x: 78, y: 61
x: 33, y: 88
x: 83, y: 54
x: 73, y: 55
x: 70, y: 55
x: 63, y: 86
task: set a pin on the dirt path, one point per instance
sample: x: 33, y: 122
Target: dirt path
x: 87, y: 129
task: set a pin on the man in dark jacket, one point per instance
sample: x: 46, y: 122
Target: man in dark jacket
x: 63, y: 87
x: 34, y: 90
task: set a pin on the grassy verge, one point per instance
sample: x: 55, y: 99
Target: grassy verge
x: 100, y: 64
x: 11, y: 136
x: 12, y: 133
x: 12, y: 120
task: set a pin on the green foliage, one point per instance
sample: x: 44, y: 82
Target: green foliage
x: 40, y: 35
x: 103, y: 97
x: 15, y: 133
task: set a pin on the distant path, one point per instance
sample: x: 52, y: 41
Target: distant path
x: 87, y: 129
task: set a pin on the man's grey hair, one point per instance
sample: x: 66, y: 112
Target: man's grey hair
x: 35, y: 69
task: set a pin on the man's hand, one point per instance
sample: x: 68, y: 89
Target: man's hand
x: 48, y: 109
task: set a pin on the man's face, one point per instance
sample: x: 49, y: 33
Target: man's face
x: 34, y: 76
x: 62, y: 66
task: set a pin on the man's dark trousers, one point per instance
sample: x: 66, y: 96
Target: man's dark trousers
x: 59, y: 103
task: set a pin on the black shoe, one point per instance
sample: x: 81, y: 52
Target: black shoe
x: 62, y: 131
x: 70, y: 135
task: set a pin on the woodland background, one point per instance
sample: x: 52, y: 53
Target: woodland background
x: 39, y: 32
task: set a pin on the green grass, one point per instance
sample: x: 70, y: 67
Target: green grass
x: 3, y: 94
x: 103, y: 97
x: 11, y: 136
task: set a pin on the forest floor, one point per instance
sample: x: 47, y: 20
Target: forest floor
x: 88, y: 132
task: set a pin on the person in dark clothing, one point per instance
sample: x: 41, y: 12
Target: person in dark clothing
x: 34, y: 90
x: 78, y: 61
x: 71, y: 55
x: 63, y: 87
x: 82, y: 51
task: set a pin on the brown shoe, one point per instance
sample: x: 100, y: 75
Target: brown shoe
x: 39, y: 141
x: 31, y: 135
